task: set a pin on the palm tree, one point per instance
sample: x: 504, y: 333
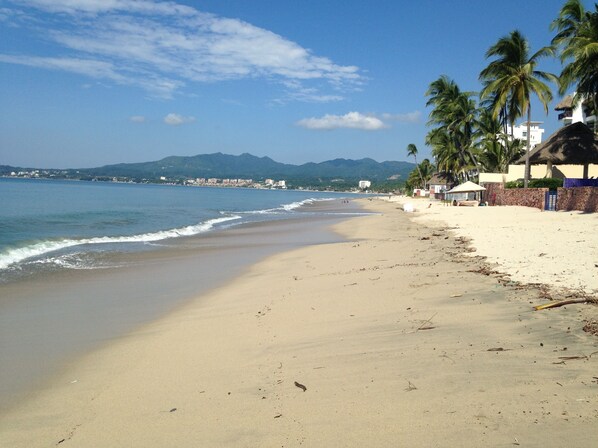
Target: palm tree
x: 426, y: 170
x: 512, y: 77
x: 577, y: 38
x: 455, y: 116
x: 412, y: 151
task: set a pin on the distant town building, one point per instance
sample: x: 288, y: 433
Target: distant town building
x: 364, y: 184
x: 269, y: 182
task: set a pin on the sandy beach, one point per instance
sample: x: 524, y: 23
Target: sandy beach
x: 401, y: 336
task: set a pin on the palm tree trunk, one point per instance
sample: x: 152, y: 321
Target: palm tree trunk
x: 526, y: 175
x: 420, y: 172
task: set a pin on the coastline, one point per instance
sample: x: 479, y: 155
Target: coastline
x: 396, y: 335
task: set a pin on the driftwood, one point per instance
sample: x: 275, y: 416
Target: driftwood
x: 558, y: 303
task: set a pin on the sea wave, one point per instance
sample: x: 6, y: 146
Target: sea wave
x: 285, y: 208
x: 36, y: 249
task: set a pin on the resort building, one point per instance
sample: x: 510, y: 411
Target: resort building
x: 520, y: 132
x: 574, y: 113
x: 438, y: 184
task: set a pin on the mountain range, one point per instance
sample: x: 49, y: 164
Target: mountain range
x: 245, y: 166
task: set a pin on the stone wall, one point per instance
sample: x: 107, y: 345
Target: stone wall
x: 497, y: 194
x: 580, y: 198
x: 584, y: 199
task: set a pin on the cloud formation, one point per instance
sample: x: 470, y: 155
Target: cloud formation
x: 176, y: 119
x: 161, y: 46
x: 357, y: 120
x: 137, y: 119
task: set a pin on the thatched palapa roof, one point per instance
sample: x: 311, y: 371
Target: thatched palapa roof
x: 575, y: 144
x: 565, y: 104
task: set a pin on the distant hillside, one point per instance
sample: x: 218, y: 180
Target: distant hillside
x: 248, y: 166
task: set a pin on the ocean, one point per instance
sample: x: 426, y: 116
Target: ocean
x: 85, y: 263
x: 48, y: 225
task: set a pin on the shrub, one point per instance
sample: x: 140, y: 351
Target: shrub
x: 552, y: 183
x: 514, y: 184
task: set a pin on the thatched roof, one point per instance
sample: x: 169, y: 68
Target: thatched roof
x: 574, y: 144
x: 439, y: 179
x: 566, y: 103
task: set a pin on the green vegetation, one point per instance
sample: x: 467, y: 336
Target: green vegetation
x: 468, y: 136
x: 550, y: 183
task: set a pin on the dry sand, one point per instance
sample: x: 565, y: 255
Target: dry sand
x: 396, y: 338
x: 559, y: 249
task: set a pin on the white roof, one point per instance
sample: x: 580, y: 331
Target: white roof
x: 466, y: 188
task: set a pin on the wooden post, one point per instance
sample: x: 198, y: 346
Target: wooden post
x: 548, y: 169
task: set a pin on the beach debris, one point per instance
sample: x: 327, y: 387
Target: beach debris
x: 427, y: 324
x: 456, y: 295
x: 591, y: 327
x: 424, y: 238
x: 570, y: 358
x: 516, y: 442
x: 278, y: 416
x: 172, y: 410
x: 558, y: 303
x: 300, y: 386
x: 498, y: 349
x: 410, y: 386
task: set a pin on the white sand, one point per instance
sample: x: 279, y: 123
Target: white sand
x: 559, y: 249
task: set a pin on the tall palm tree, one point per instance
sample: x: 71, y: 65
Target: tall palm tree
x: 412, y: 152
x: 454, y: 116
x: 512, y: 77
x: 577, y: 39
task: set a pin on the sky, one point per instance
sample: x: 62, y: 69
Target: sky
x: 85, y: 83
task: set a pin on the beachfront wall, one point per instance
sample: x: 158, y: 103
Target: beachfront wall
x: 584, y: 199
x: 497, y: 194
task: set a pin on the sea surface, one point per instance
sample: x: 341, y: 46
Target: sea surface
x: 85, y: 263
x: 48, y: 225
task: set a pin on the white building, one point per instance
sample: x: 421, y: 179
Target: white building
x: 570, y: 113
x: 520, y: 132
x: 363, y: 184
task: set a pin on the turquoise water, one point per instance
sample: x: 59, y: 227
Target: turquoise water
x: 46, y: 224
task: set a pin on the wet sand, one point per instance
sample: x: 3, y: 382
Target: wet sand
x: 397, y: 337
x: 48, y: 320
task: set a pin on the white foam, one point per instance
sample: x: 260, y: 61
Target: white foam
x: 17, y: 255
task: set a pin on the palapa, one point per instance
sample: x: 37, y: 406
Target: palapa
x: 575, y: 144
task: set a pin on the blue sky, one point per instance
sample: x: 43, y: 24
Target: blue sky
x: 92, y: 82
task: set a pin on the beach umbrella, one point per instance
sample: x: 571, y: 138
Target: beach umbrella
x: 575, y: 144
x: 467, y: 187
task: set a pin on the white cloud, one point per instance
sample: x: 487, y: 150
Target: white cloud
x: 176, y: 119
x: 352, y: 120
x: 163, y: 46
x: 137, y: 119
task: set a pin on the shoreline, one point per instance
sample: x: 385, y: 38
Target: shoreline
x: 50, y: 319
x: 395, y: 334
